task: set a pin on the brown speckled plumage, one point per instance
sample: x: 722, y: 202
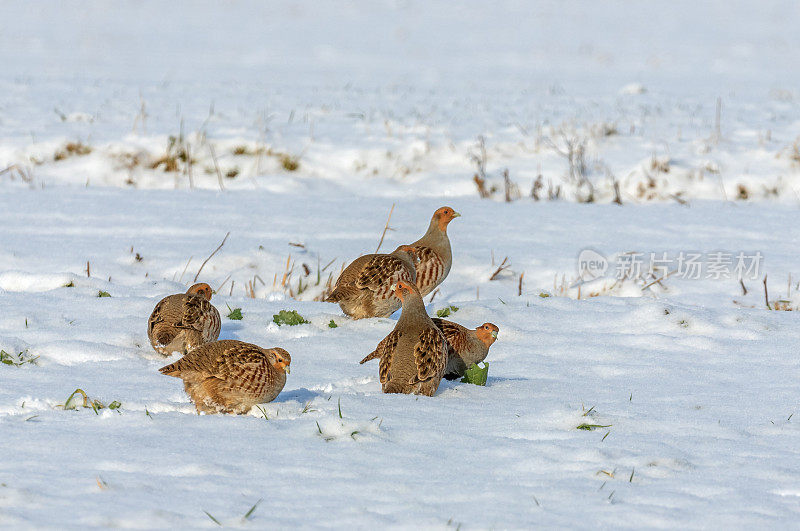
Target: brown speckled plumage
x: 465, y: 346
x: 231, y: 376
x: 413, y: 356
x: 180, y: 323
x: 433, y: 251
x: 364, y: 289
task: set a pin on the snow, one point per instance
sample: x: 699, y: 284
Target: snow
x: 385, y: 104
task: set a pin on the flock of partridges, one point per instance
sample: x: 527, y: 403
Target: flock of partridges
x: 231, y: 376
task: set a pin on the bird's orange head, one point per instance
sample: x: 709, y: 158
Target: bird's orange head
x: 402, y: 289
x: 487, y: 333
x: 282, y: 359
x: 202, y: 289
x: 444, y: 216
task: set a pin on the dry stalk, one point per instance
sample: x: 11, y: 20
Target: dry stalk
x: 216, y: 166
x: 209, y: 256
x: 503, y: 266
x: 385, y: 228
x: 436, y: 292
x: 184, y: 269
x: 223, y: 283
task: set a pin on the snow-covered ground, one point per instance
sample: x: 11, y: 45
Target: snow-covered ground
x: 320, y: 118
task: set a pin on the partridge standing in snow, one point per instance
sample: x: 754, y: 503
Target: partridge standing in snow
x: 183, y: 322
x: 413, y: 356
x: 364, y: 288
x: 433, y: 251
x: 231, y: 376
x: 465, y: 346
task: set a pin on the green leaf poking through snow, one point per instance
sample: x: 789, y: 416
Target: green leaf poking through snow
x: 332, y: 324
x: 102, y: 293
x: 235, y: 314
x: 444, y: 312
x: 290, y: 318
x: 17, y: 360
x: 476, y: 374
x: 591, y: 427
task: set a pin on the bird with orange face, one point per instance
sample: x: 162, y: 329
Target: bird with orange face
x: 434, y: 256
x: 231, y: 376
x: 465, y: 346
x: 182, y: 322
x: 414, y: 355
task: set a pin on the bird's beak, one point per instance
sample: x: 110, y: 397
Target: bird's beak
x: 456, y: 215
x: 286, y: 369
x: 494, y: 334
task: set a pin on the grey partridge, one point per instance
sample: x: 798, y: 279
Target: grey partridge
x: 182, y: 322
x: 413, y: 356
x: 364, y: 289
x: 231, y: 376
x: 465, y: 346
x: 433, y: 251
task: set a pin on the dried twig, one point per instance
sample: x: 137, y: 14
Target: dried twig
x: 184, y: 269
x: 503, y: 266
x: 519, y: 288
x: 223, y: 283
x: 209, y: 256
x: 188, y: 167
x: 744, y: 289
x: 658, y: 280
x: 433, y: 296
x: 328, y: 265
x: 216, y: 166
x: 481, y: 184
x: 385, y: 228
x: 766, y: 295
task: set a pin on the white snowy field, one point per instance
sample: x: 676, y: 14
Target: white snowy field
x: 135, y: 136
x: 697, y: 390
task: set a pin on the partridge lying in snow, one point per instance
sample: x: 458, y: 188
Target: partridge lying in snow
x: 433, y: 251
x: 413, y: 356
x: 231, y: 376
x: 364, y: 288
x: 183, y: 322
x: 465, y: 346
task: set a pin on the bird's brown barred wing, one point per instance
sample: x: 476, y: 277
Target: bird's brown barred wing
x: 381, y: 273
x: 454, y: 334
x: 430, y: 354
x: 385, y: 352
x: 429, y: 269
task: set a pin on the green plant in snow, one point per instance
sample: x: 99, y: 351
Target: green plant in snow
x: 591, y: 427
x: 73, y: 402
x: 234, y: 314
x: 444, y: 312
x: 476, y: 375
x: 17, y: 360
x: 291, y: 318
